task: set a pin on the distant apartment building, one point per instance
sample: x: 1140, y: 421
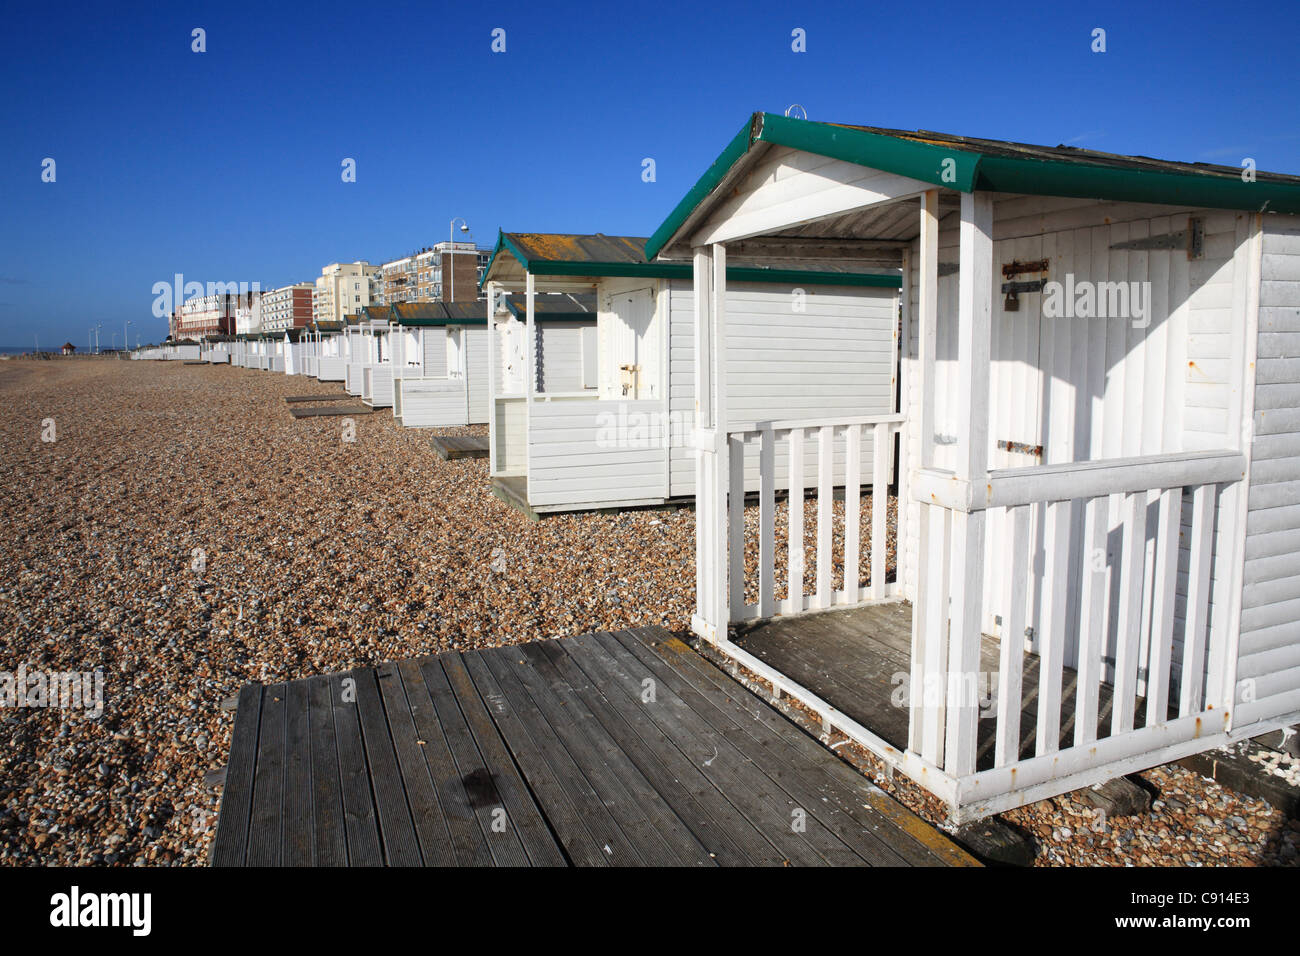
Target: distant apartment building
x: 248, y: 315
x: 342, y: 288
x: 210, y: 314
x: 419, y: 277
x: 289, y: 307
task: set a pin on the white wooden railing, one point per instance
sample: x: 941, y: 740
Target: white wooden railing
x: 1106, y: 554
x: 765, y: 457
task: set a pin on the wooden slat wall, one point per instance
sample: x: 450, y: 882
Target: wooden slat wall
x: 835, y: 358
x: 432, y: 403
x: 559, y: 355
x: 580, y: 456
x: 1269, y: 654
x: 1089, y: 388
x: 475, y: 343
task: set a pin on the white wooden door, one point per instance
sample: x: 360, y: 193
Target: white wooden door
x: 630, y: 368
x: 1017, y: 389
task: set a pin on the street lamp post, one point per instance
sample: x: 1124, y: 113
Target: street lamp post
x: 451, y: 232
x: 126, y: 339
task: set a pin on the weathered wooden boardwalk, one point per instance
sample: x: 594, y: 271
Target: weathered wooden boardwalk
x: 327, y: 397
x: 606, y: 749
x: 452, y: 447
x: 317, y: 411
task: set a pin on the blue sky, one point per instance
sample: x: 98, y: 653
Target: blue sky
x: 225, y: 165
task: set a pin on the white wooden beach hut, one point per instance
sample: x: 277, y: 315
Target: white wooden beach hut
x: 603, y: 421
x: 329, y: 360
x: 215, y: 349
x: 439, y: 364
x: 294, y: 344
x: 1100, y: 448
x: 366, y: 349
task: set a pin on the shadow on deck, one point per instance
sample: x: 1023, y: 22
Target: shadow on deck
x: 858, y: 661
x: 604, y: 749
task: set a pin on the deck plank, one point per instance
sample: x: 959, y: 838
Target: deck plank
x: 423, y: 759
x: 755, y: 774
x: 396, y: 829
x: 329, y: 844
x: 521, y: 810
x: 298, y: 837
x: 360, y: 826
x: 647, y: 822
x: 596, y: 816
x: 265, y: 836
x: 470, y: 777
x: 230, y: 846
x: 578, y: 843
x: 714, y: 818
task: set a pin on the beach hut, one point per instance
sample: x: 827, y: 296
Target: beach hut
x: 215, y: 349
x: 294, y: 345
x: 366, y: 347
x: 328, y: 360
x: 602, y: 421
x: 1100, y: 443
x: 439, y: 364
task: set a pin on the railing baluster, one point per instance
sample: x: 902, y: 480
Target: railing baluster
x: 1128, y: 638
x: 736, y: 524
x: 1092, y: 620
x: 794, y: 556
x: 1198, y: 599
x: 852, y: 512
x: 1051, y: 643
x: 881, y: 450
x: 1162, y: 606
x: 1011, y: 657
x: 825, y: 511
x: 766, y: 522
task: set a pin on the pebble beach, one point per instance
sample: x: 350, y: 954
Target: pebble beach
x: 186, y: 535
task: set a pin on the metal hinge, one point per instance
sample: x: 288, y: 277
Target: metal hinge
x: 1192, y: 239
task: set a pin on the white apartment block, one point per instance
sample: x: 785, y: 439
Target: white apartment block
x: 248, y: 320
x: 287, y: 307
x: 342, y: 289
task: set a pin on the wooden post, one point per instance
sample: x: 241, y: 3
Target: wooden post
x: 530, y: 374
x: 492, y: 379
x: 705, y: 454
x: 721, y: 478
x: 974, y: 318
x: 925, y: 631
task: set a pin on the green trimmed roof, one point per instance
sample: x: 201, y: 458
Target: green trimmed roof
x: 968, y: 164
x: 552, y: 306
x: 598, y: 255
x: 440, y: 313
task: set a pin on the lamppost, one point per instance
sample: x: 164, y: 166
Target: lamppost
x: 451, y: 232
x: 97, y: 328
x: 126, y: 339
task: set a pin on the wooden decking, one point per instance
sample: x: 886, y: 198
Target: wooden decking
x: 327, y: 397
x: 605, y: 749
x: 452, y: 447
x: 857, y: 661
x: 326, y: 410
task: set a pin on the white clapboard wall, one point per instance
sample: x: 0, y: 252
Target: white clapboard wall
x: 836, y: 358
x: 1269, y: 650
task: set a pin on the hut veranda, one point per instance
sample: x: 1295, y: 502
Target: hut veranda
x: 1098, y: 436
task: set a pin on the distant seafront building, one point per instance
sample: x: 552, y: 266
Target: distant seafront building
x: 248, y: 315
x: 288, y: 307
x: 419, y: 277
x: 210, y: 314
x: 342, y: 288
